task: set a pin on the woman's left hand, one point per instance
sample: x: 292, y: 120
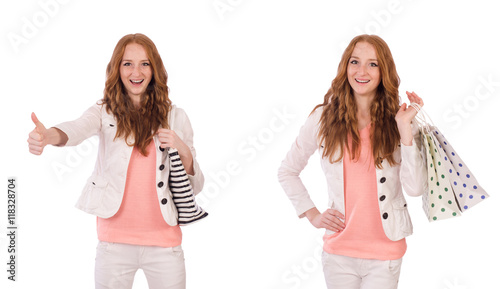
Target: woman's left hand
x: 168, y: 138
x: 405, y: 114
x: 404, y: 117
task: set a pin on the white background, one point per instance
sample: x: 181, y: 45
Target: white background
x: 248, y: 77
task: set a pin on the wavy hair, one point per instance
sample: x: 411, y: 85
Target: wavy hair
x: 339, y: 120
x: 137, y: 125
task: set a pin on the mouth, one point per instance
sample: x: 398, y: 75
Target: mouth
x: 137, y: 82
x: 362, y: 80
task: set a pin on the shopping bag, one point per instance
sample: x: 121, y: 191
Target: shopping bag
x: 446, y: 172
x: 438, y: 201
x: 465, y: 186
x: 182, y: 192
x: 188, y: 211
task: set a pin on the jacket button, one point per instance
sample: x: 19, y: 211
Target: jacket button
x: 164, y: 201
x: 162, y: 167
x: 160, y: 184
x: 385, y: 216
x: 382, y: 197
x: 162, y: 149
x: 382, y: 180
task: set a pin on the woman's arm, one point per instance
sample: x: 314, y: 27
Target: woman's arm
x: 80, y: 129
x: 295, y: 161
x: 169, y: 138
x: 67, y: 133
x: 413, y: 172
x: 184, y: 146
x: 288, y: 175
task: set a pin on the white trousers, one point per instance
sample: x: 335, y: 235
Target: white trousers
x: 116, y: 265
x: 342, y: 272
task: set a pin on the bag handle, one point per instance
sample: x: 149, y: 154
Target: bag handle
x: 422, y: 119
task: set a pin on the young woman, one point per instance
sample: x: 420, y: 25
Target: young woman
x: 135, y: 122
x: 369, y: 150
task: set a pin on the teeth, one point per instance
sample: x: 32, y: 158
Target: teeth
x: 365, y: 81
x: 137, y: 81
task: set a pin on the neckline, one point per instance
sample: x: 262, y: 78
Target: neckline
x: 366, y: 126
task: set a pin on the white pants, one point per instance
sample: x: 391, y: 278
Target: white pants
x: 342, y: 272
x: 116, y: 264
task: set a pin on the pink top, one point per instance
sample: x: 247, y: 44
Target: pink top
x: 139, y: 220
x: 363, y: 236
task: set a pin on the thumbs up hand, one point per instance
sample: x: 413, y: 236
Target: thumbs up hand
x: 37, y: 139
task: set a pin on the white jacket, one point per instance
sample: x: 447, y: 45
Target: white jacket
x: 409, y: 172
x: 103, y: 192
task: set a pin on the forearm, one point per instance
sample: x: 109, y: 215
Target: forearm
x: 187, y: 161
x: 311, y: 213
x: 56, y: 137
x: 413, y: 166
x: 405, y: 132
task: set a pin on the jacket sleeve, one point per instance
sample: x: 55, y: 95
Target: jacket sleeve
x: 413, y: 166
x: 184, y: 125
x: 87, y: 125
x: 295, y: 161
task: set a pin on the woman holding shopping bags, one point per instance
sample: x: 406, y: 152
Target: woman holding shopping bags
x: 135, y: 122
x: 369, y: 151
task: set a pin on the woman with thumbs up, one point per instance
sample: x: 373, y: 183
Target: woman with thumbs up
x: 135, y: 122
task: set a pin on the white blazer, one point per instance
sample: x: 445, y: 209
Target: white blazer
x: 409, y: 172
x: 103, y: 192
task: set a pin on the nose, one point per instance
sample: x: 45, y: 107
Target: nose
x: 362, y: 70
x: 136, y: 70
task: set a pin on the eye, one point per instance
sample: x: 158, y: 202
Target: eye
x: 353, y: 62
x: 127, y: 64
x: 145, y: 64
x: 373, y: 64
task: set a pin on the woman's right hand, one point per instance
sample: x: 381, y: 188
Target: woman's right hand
x: 330, y: 219
x: 37, y: 139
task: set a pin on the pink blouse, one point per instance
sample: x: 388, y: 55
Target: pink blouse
x: 363, y: 236
x: 139, y: 220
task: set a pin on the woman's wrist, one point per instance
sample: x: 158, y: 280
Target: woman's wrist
x: 187, y: 160
x: 56, y: 137
x: 311, y: 214
x: 405, y: 133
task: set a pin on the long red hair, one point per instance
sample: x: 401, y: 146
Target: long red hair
x: 339, y: 118
x: 137, y: 125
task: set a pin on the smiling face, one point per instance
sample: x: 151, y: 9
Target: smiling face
x: 135, y: 71
x: 363, y: 72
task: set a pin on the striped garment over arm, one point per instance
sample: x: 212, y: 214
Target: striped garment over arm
x: 182, y: 192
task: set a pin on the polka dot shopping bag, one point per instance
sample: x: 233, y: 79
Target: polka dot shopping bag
x: 452, y: 188
x: 465, y: 186
x: 439, y: 201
